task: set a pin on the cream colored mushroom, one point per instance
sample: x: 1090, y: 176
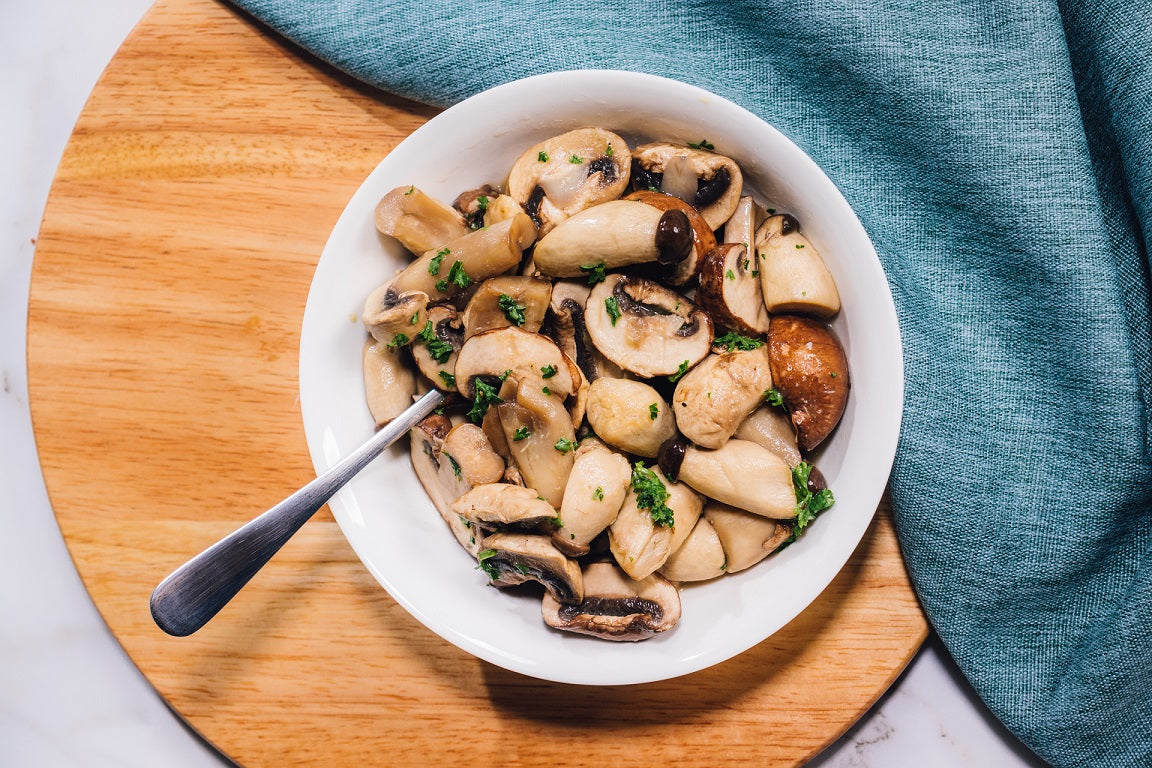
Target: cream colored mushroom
x: 710, y: 182
x: 503, y: 506
x: 540, y: 438
x: 699, y: 558
x: 389, y: 384
x: 569, y: 330
x: 741, y: 473
x: 593, y: 495
x: 515, y: 558
x: 511, y: 352
x: 421, y: 223
x: 793, y: 276
x: 742, y: 224
x: 719, y: 393
x: 641, y: 544
x: 616, y: 607
x: 630, y: 415
x: 436, y: 346
x: 393, y: 317
x: 505, y: 301
x: 770, y: 427
x: 746, y: 538
x: 730, y: 289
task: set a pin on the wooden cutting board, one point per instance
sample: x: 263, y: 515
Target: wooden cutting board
x: 178, y: 244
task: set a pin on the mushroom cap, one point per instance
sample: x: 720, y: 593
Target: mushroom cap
x: 568, y: 173
x: 616, y: 607
x: 389, y: 384
x: 703, y: 239
x: 503, y: 506
x: 730, y: 290
x: 620, y: 412
x: 418, y: 221
x: 746, y: 538
x: 448, y: 334
x: 505, y: 301
x: 713, y: 398
x: 595, y: 490
x: 394, y: 317
x: 516, y: 558
x: 567, y: 327
x: 699, y: 558
x: 712, y: 183
x: 811, y: 371
x: 656, y: 332
x: 526, y: 355
x: 742, y: 474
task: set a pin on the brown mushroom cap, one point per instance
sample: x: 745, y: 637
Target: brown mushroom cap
x: 655, y: 331
x: 712, y: 183
x: 616, y: 607
x: 730, y: 290
x: 703, y: 239
x: 810, y: 370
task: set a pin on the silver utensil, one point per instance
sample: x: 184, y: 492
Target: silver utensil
x: 195, y: 592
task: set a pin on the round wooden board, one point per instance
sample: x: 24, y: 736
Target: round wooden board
x: 171, y: 272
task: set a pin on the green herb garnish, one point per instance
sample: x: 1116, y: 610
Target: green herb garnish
x: 399, y: 340
x: 456, y: 276
x: 613, y: 309
x: 415, y: 318
x: 808, y: 504
x: 547, y: 371
x: 542, y: 156
x: 521, y: 433
x: 448, y: 379
x: 683, y: 369
x: 653, y: 411
x: 410, y: 190
x: 735, y: 341
x: 485, y: 397
x: 702, y: 144
x: 439, y: 349
x: 482, y: 558
x: 455, y: 464
x: 434, y: 264
x: 774, y: 397
x: 595, y: 272
x: 651, y: 495
x: 512, y: 310
x: 564, y: 445
x: 598, y: 494
x: 608, y: 151
x: 575, y: 159
x: 730, y: 275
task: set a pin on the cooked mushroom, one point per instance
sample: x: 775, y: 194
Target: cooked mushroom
x: 646, y: 328
x: 630, y: 415
x: 592, y: 497
x: 719, y: 393
x: 616, y: 607
x: 444, y: 272
x: 540, y: 437
x: 741, y: 473
x: 614, y: 235
x: 742, y: 224
x: 503, y: 301
x: 516, y: 353
x: 640, y: 543
x: 515, y: 558
x: 568, y: 173
x: 568, y: 329
x: 703, y: 239
x: 436, y: 345
x: 770, y: 427
x: 699, y: 558
x: 730, y: 290
x: 473, y: 204
x: 421, y: 223
x: 811, y: 372
x: 501, y: 209
x: 793, y: 277
x: 710, y: 182
x: 503, y: 506
x: 747, y: 538
x: 389, y: 384
x: 392, y: 317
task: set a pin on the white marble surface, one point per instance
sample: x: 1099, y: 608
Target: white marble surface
x: 69, y: 696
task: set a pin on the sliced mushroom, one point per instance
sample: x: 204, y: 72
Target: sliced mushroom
x: 730, y: 290
x: 719, y: 393
x: 540, y: 438
x: 501, y: 209
x: 503, y: 506
x: 741, y: 473
x: 436, y: 346
x: 595, y: 490
x: 770, y: 427
x: 500, y: 302
x: 616, y: 607
x: 512, y: 352
x: 392, y: 317
x: 747, y: 538
x: 389, y: 384
x: 699, y: 558
x: 569, y: 173
x: 421, y: 223
x: 473, y: 204
x: 703, y: 239
x: 515, y: 558
x: 793, y: 277
x: 710, y: 182
x: 630, y: 415
x: 742, y: 224
x: 613, y: 235
x: 568, y: 329
x: 444, y: 272
x: 646, y: 328
x: 811, y: 372
x: 641, y: 545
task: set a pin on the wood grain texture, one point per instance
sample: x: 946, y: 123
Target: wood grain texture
x: 168, y: 289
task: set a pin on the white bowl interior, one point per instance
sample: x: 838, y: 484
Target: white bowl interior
x: 385, y: 513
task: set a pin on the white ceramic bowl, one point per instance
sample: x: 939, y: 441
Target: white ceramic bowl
x: 385, y: 513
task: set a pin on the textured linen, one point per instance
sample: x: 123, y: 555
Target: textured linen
x: 998, y: 153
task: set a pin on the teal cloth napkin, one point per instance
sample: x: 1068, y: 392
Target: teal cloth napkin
x: 1000, y: 156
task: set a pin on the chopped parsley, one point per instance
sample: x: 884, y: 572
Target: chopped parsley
x: 595, y: 272
x: 542, y: 156
x: 651, y: 495
x: 683, y: 369
x: 399, y: 340
x: 774, y: 398
x: 448, y: 379
x: 564, y: 445
x: 575, y: 159
x: 512, y: 310
x: 476, y: 218
x: 546, y: 391
x: 653, y: 411
x: 799, y: 246
x: 439, y: 349
x: 730, y: 275
x: 735, y: 341
x: 415, y: 318
x: 598, y: 494
x: 455, y: 464
x: 702, y: 144
x: 521, y: 433
x: 808, y: 504
x: 613, y: 309
x: 485, y: 396
x: 482, y: 558
x: 547, y: 371
x: 608, y: 151
x: 456, y: 276
x: 437, y: 260
x: 410, y: 190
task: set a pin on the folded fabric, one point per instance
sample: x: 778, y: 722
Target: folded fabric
x: 1000, y: 156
